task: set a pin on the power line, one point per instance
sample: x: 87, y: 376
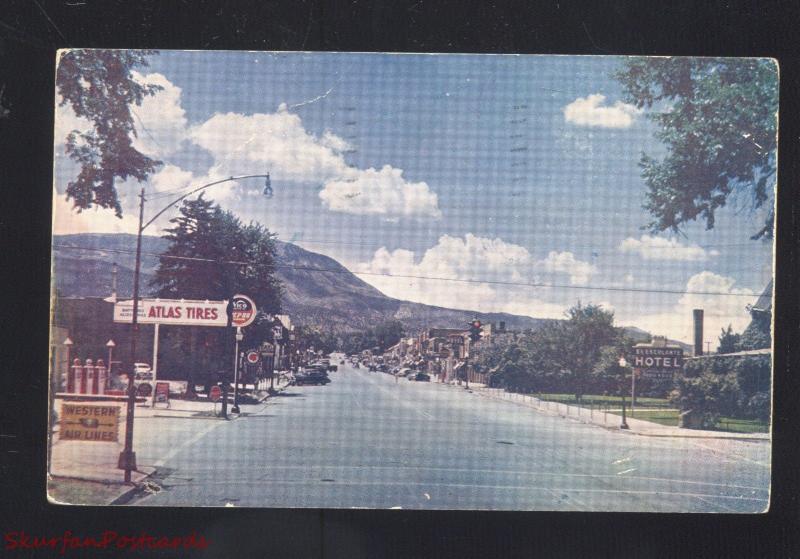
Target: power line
x: 126, y: 251
x: 434, y: 278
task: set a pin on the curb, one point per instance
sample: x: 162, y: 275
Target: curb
x: 126, y: 493
x: 630, y: 431
x: 126, y: 496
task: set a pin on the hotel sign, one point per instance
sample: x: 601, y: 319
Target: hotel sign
x: 657, y: 362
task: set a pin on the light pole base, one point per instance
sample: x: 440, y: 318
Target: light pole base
x: 235, y: 409
x: 624, y: 426
x: 127, y: 460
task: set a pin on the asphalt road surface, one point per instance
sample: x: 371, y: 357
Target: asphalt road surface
x: 366, y: 440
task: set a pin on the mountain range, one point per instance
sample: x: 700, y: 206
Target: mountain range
x: 317, y: 290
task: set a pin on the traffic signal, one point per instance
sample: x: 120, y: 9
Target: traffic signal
x: 475, y: 330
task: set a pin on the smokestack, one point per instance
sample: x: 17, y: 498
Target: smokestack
x: 698, y: 331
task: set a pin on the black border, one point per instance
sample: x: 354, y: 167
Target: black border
x: 32, y: 30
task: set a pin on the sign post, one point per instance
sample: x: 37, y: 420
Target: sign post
x: 214, y: 395
x: 654, y: 361
x: 161, y: 394
x: 243, y: 313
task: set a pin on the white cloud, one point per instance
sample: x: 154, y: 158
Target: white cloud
x: 588, y: 111
x: 66, y: 121
x: 722, y: 304
x: 160, y: 120
x: 565, y: 262
x: 476, y: 261
x: 275, y: 142
x: 258, y: 143
x: 658, y: 248
x: 94, y: 220
x: 278, y: 142
x: 174, y: 181
x: 380, y: 191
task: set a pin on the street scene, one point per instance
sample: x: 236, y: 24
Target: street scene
x: 412, y: 282
x: 368, y: 441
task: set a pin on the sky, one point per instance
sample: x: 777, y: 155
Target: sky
x: 504, y: 183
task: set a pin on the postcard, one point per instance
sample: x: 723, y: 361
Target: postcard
x: 412, y: 281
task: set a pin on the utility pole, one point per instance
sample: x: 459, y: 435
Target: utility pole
x: 127, y: 458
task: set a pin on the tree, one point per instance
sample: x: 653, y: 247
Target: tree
x: 184, y: 270
x: 388, y: 334
x: 586, y: 330
x: 213, y: 256
x: 99, y: 86
x: 731, y: 386
x: 728, y: 341
x: 758, y: 334
x: 718, y: 121
x: 609, y: 376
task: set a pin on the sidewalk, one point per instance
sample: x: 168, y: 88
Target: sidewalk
x: 607, y: 420
x: 204, y: 409
x: 87, y: 471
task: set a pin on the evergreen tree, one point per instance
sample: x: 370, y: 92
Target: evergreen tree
x: 213, y: 256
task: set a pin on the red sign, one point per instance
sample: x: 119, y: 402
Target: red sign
x: 252, y: 357
x: 162, y: 393
x: 243, y: 311
x: 215, y: 394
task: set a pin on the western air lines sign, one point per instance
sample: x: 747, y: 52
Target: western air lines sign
x: 84, y: 422
x: 177, y: 312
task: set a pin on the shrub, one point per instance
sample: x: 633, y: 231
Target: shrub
x: 758, y: 407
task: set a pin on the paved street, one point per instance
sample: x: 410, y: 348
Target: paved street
x: 366, y: 440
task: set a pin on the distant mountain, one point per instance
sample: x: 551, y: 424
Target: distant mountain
x: 318, y: 290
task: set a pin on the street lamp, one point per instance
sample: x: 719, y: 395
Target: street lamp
x: 623, y: 363
x: 110, y: 345
x: 68, y: 343
x: 127, y: 458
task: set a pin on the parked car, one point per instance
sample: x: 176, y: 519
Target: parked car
x: 142, y: 371
x: 312, y: 375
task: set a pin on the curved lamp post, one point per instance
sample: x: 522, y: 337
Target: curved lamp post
x: 127, y: 458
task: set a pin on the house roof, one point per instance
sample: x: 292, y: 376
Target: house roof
x: 764, y: 302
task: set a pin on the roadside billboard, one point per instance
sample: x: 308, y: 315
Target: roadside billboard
x: 87, y: 422
x: 176, y: 312
x: 657, y: 362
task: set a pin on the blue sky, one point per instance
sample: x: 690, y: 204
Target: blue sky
x: 484, y: 168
